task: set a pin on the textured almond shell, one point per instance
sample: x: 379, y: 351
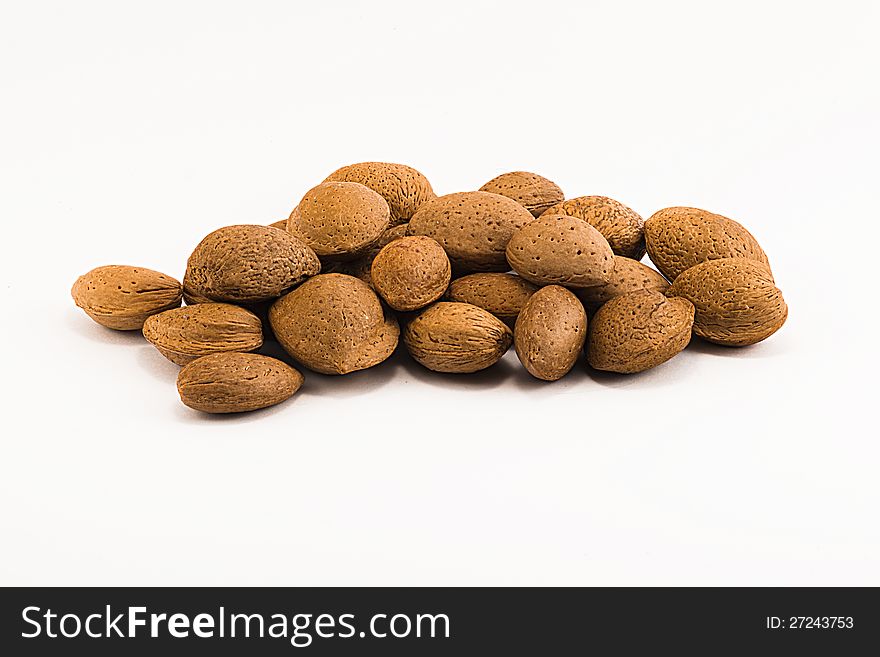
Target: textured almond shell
x: 184, y: 334
x: 561, y: 250
x: 234, y: 383
x: 334, y: 324
x: 621, y: 225
x: 404, y: 188
x: 411, y: 272
x: 737, y: 302
x: 472, y: 227
x: 503, y: 295
x: 550, y: 333
x: 248, y: 263
x: 340, y: 220
x: 627, y: 276
x: 361, y: 267
x: 535, y: 193
x: 637, y: 331
x: 457, y: 338
x: 680, y: 238
x: 122, y: 297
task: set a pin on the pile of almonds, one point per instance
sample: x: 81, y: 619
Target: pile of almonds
x: 373, y: 252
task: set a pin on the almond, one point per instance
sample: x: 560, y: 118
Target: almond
x: 621, y: 226
x: 184, y: 334
x: 334, y: 324
x: 679, y: 238
x: 361, y: 267
x: 550, y: 333
x: 340, y: 220
x: 535, y: 193
x: 557, y: 249
x: 234, y: 383
x: 411, y: 272
x: 503, y: 295
x: 637, y: 331
x: 122, y: 297
x: 736, y: 299
x: 627, y: 276
x: 472, y: 227
x: 404, y: 188
x: 456, y: 338
x: 248, y: 263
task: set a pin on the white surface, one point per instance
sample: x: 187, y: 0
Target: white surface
x: 130, y: 130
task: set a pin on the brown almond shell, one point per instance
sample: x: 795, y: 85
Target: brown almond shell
x: 550, y: 332
x: 637, y: 331
x: 404, y: 188
x: 234, y: 383
x: 622, y: 226
x: 501, y: 294
x: 340, y: 220
x: 535, y: 193
x: 627, y: 276
x: 679, y: 238
x: 737, y: 302
x: 456, y: 338
x: 184, y: 334
x: 121, y: 297
x: 561, y: 250
x: 472, y: 227
x: 411, y: 272
x: 248, y: 263
x: 334, y: 324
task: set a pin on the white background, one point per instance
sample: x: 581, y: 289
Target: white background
x: 130, y: 130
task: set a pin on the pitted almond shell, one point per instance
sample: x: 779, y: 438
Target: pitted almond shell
x: 362, y: 266
x: 404, y: 188
x: 334, y: 324
x: 184, y: 334
x: 621, y: 225
x: 248, y: 263
x: 122, y: 297
x: 456, y: 338
x: 550, y: 333
x: 472, y: 227
x: 561, y: 250
x: 501, y: 294
x: 535, y: 193
x: 340, y: 220
x: 627, y: 276
x: 411, y: 272
x: 233, y: 383
x: 737, y: 303
x: 637, y: 331
x: 680, y: 238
